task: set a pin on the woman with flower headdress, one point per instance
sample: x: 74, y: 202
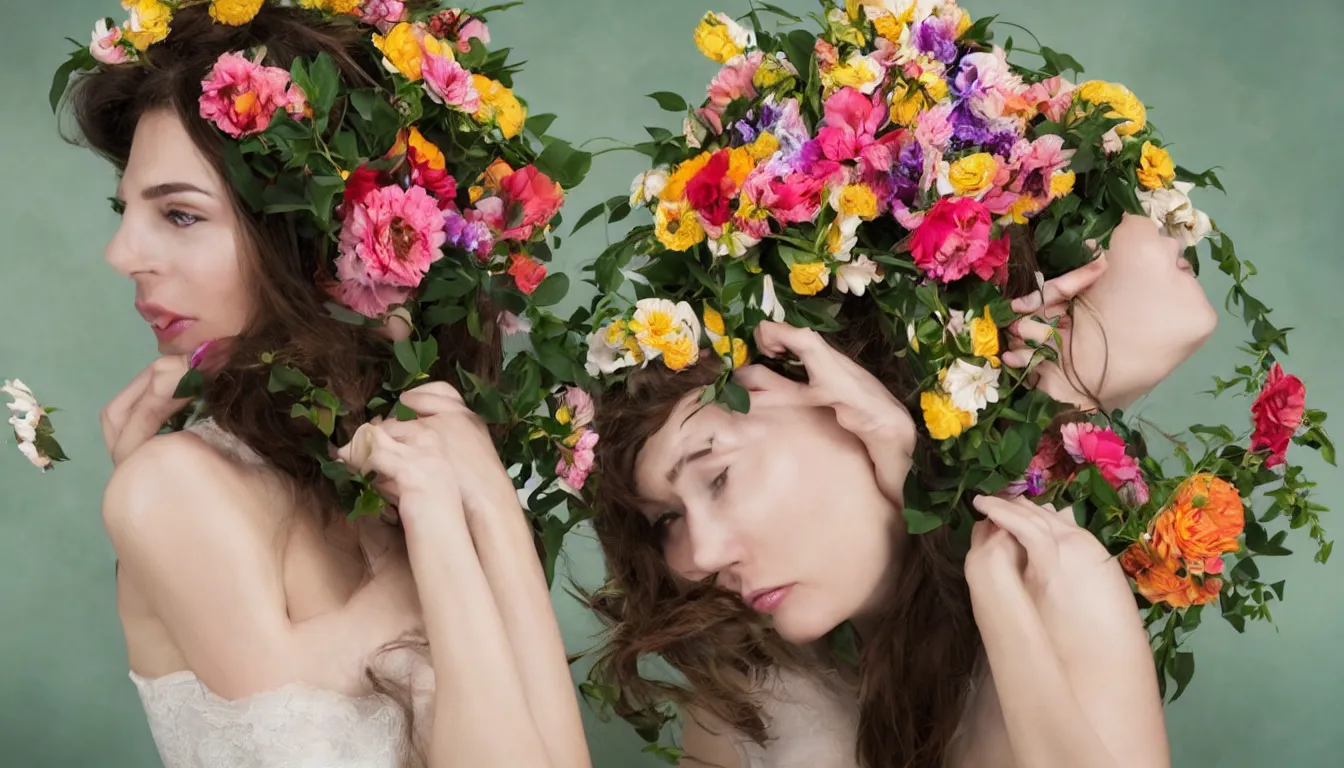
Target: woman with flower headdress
x: 874, y: 209
x: 326, y: 563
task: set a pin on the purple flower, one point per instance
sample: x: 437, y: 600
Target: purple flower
x: 1035, y: 482
x: 745, y: 131
x: 472, y: 236
x: 937, y: 38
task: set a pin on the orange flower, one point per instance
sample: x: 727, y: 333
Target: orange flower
x: 1157, y: 579
x: 1201, y: 522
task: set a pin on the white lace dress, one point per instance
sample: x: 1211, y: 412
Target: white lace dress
x: 298, y: 726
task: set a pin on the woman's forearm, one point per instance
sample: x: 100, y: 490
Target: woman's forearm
x: 1045, y: 724
x: 508, y: 557
x: 481, y: 714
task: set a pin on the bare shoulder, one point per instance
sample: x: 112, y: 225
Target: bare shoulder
x: 707, y: 742
x: 173, y: 481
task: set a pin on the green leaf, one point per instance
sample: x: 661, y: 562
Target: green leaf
x: 326, y: 79
x: 564, y: 164
x: 244, y: 181
x: 370, y: 504
x: 669, y: 101
x: 537, y: 125
x: 406, y: 356
x: 346, y: 315
x: 444, y: 314
x: 284, y: 377
x: 551, y: 291
x: 1182, y: 671
x: 768, y: 8
x: 80, y: 60
x: 403, y: 412
x: 589, y: 216
x: 427, y: 352
x: 322, y: 192
x: 325, y: 420
x: 736, y: 397
x: 917, y: 522
x: 555, y: 359
x: 1057, y: 63
x: 190, y: 385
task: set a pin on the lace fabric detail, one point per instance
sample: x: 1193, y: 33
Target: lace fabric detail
x: 812, y: 722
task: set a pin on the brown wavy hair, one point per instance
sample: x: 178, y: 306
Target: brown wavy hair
x: 915, y: 668
x: 282, y: 261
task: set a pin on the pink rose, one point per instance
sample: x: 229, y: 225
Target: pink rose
x: 580, y: 406
x: 106, y: 46
x: 447, y: 82
x: 474, y: 29
x: 732, y: 82
x: 241, y: 97
x: 850, y: 131
x: 1051, y: 98
x: 954, y: 241
x: 383, y: 14
x: 388, y: 241
x: 1086, y: 443
x: 1277, y: 414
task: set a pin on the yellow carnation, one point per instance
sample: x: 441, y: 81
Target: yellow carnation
x: 714, y: 322
x: 340, y: 7
x: 234, y: 12
x: 809, y: 279
x: 1023, y: 207
x: 984, y: 336
x: 889, y: 27
x: 679, y: 352
x: 858, y: 200
x: 973, y: 174
x: 736, y: 348
x: 942, y: 418
x: 677, y: 227
x: 764, y: 147
x: 907, y: 101
x: 855, y: 73
x: 740, y: 164
x: 1061, y: 184
x: 148, y: 24
x: 715, y: 40
x: 676, y: 183
x: 769, y: 74
x: 1121, y: 100
x: 1156, y: 170
x: 934, y: 85
x: 499, y: 104
x: 401, y: 50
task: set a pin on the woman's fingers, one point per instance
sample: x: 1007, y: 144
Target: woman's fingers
x: 1064, y: 288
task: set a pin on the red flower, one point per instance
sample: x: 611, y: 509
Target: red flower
x: 532, y: 199
x: 1277, y: 414
x: 526, y: 272
x: 710, y: 191
x: 954, y: 241
x: 359, y: 185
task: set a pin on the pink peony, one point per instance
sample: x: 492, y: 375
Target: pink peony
x: 390, y: 238
x: 241, y: 97
x: 792, y: 199
x: 850, y: 131
x: 531, y: 199
x: 383, y: 14
x: 732, y: 82
x: 933, y: 129
x: 447, y: 82
x: 107, y: 47
x: 953, y: 241
x: 573, y: 468
x: 367, y: 300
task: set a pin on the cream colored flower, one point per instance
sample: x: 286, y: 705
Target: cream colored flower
x: 770, y: 302
x: 25, y: 419
x: 1172, y: 210
x: 647, y: 186
x: 661, y: 326
x: 971, y: 387
x: 733, y: 243
x: 611, y: 348
x: 856, y: 276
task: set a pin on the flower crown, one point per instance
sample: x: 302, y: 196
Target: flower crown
x: 429, y: 189
x: 893, y: 156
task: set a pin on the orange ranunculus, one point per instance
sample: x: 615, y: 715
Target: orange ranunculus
x: 1157, y: 579
x: 1202, y: 521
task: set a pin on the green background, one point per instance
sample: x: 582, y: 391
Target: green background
x: 1249, y: 86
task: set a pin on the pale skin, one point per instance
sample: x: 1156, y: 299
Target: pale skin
x: 223, y: 574
x: 1070, y: 680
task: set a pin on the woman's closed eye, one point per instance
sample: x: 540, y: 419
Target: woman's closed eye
x: 663, y: 523
x: 719, y: 482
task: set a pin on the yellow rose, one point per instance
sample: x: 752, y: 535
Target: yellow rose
x: 427, y: 150
x: 676, y: 183
x: 148, y: 24
x: 906, y: 103
x: 1156, y: 170
x: 973, y: 174
x: 1024, y: 207
x: 713, y: 322
x: 858, y: 200
x: 934, y: 85
x: 401, y: 50
x: 677, y: 227
x: 984, y: 336
x: 855, y: 73
x: 679, y: 352
x: 234, y: 12
x: 809, y: 279
x: 740, y: 164
x: 942, y: 418
x: 1061, y: 184
x: 764, y: 147
x: 499, y: 104
x: 715, y: 40
x: 769, y: 74
x: 736, y: 348
x: 340, y: 7
x: 889, y: 27
x: 1121, y: 100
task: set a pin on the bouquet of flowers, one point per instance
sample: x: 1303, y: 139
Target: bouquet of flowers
x: 894, y: 155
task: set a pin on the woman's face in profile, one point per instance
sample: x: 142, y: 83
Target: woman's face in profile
x: 179, y: 239
x: 782, y: 504
x: 1143, y: 317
